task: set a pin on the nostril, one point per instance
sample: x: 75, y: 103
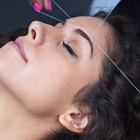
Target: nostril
x: 33, y: 34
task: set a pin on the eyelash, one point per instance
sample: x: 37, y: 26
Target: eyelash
x: 69, y: 49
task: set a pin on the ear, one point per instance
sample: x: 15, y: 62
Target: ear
x: 74, y: 120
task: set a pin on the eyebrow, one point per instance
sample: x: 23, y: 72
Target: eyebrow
x: 83, y: 34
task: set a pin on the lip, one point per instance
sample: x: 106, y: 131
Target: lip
x: 20, y: 49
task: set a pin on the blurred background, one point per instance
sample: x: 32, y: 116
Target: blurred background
x: 15, y: 14
x: 19, y: 13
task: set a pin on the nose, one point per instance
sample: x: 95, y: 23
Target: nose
x: 38, y: 32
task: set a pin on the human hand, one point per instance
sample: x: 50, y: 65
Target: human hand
x: 42, y: 5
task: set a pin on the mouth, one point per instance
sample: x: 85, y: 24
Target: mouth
x: 20, y: 49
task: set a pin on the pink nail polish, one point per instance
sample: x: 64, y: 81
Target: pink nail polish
x: 37, y: 7
x: 49, y: 2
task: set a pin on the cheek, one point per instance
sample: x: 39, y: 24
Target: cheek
x: 45, y: 86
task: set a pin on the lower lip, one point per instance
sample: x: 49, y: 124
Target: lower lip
x: 18, y: 49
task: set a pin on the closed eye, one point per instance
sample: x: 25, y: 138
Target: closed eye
x: 69, y: 49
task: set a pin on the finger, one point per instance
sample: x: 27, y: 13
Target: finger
x: 38, y: 4
x: 48, y: 5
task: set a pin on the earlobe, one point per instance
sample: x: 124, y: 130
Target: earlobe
x: 74, y: 121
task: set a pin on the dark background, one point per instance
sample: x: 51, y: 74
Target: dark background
x: 19, y: 13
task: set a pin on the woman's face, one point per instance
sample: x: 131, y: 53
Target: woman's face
x: 53, y: 63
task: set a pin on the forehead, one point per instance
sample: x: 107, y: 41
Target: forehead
x: 89, y: 24
x: 97, y: 30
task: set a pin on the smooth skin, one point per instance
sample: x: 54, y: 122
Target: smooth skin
x: 36, y: 96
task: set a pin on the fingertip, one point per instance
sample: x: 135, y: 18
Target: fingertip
x: 48, y: 5
x: 37, y: 7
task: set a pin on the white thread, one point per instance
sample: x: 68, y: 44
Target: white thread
x: 103, y: 21
x: 116, y: 66
x: 46, y: 14
x: 64, y: 12
x: 52, y: 16
x: 94, y: 40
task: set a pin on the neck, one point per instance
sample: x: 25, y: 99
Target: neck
x: 18, y: 124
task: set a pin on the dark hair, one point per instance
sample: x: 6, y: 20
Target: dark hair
x: 113, y: 101
x: 116, y: 103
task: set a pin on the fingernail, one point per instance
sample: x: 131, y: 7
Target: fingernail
x: 49, y: 2
x: 37, y: 7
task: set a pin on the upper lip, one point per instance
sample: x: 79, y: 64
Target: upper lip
x: 20, y: 49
